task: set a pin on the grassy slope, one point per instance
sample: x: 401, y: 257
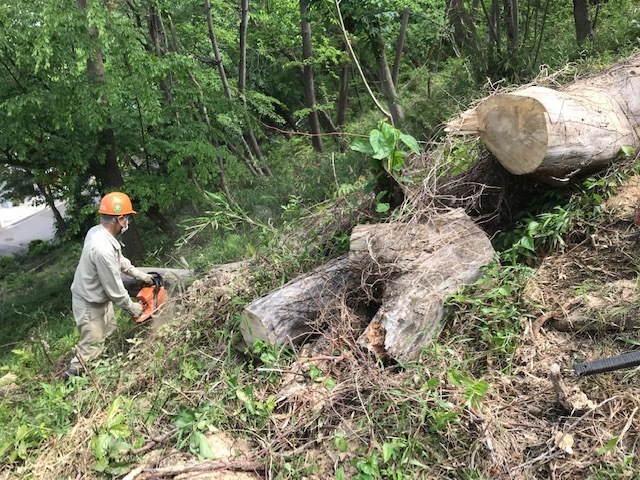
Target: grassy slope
x: 477, y: 404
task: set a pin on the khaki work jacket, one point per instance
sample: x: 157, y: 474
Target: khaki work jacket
x: 97, y: 278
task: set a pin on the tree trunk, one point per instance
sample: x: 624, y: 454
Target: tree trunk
x: 219, y: 160
x: 512, y: 24
x: 343, y: 96
x: 249, y: 135
x: 45, y: 190
x: 582, y: 21
x: 288, y: 315
x: 555, y: 135
x: 388, y: 87
x: 464, y: 29
x: 308, y: 82
x: 400, y: 46
x: 110, y: 177
x: 410, y: 269
x: 216, y: 51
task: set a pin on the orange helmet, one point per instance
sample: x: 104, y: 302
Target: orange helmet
x: 116, y: 203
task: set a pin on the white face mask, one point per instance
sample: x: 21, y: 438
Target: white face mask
x: 126, y: 226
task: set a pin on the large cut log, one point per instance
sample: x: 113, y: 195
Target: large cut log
x: 287, y: 315
x: 173, y: 278
x: 556, y: 134
x: 410, y: 269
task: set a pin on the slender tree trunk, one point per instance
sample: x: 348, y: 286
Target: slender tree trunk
x: 45, y: 190
x: 343, y: 96
x: 388, y: 87
x: 512, y: 21
x: 400, y: 46
x: 111, y: 174
x: 309, y: 86
x: 249, y: 135
x: 205, y: 114
x: 216, y: 51
x: 582, y: 21
x: 494, y: 23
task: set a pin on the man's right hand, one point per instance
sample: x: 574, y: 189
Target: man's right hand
x: 135, y: 309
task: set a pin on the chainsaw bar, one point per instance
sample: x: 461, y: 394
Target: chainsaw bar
x: 601, y: 365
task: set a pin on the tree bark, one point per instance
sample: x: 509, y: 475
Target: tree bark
x: 410, y: 269
x: 557, y: 134
x: 343, y: 96
x: 386, y: 80
x: 216, y: 51
x: 308, y: 81
x: 464, y: 29
x: 512, y: 24
x: 582, y: 20
x: 400, y: 46
x: 289, y: 314
x: 45, y: 190
x: 249, y: 135
x: 109, y: 175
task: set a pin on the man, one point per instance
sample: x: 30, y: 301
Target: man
x: 97, y: 284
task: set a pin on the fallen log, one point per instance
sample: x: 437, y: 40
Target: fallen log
x: 554, y: 135
x: 287, y: 315
x: 410, y: 269
x: 173, y: 278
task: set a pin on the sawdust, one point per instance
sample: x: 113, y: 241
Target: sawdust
x: 626, y: 202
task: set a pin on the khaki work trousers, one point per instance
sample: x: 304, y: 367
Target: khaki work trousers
x: 96, y: 322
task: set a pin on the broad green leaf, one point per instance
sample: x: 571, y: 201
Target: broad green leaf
x: 382, y: 207
x: 120, y: 431
x: 410, y: 142
x: 113, y: 416
x: 382, y: 145
x: 185, y: 419
x: 627, y: 151
x: 362, y: 145
x: 200, y: 446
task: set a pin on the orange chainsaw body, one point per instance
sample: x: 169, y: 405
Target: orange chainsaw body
x: 151, y: 298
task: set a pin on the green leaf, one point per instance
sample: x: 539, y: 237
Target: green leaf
x: 627, y: 151
x: 185, y: 419
x: 387, y: 451
x: 113, y: 416
x: 363, y: 146
x: 100, y: 444
x: 120, y: 431
x: 382, y: 207
x: 382, y: 145
x: 101, y: 465
x: 410, y: 142
x: 527, y: 242
x: 200, y: 446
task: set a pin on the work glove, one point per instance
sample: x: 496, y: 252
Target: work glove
x: 146, y: 278
x: 135, y: 309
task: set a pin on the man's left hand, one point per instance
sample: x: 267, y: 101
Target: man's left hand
x: 147, y: 279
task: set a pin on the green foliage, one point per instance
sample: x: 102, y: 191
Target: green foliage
x: 547, y: 230
x: 192, y: 424
x: 109, y: 444
x: 385, y: 146
x: 494, y: 303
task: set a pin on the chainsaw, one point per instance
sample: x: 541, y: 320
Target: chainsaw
x: 151, y: 297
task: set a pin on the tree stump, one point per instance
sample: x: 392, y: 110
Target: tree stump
x: 410, y: 269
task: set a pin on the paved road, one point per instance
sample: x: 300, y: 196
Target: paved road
x: 40, y: 226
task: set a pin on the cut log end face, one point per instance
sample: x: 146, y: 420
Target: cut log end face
x: 514, y: 128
